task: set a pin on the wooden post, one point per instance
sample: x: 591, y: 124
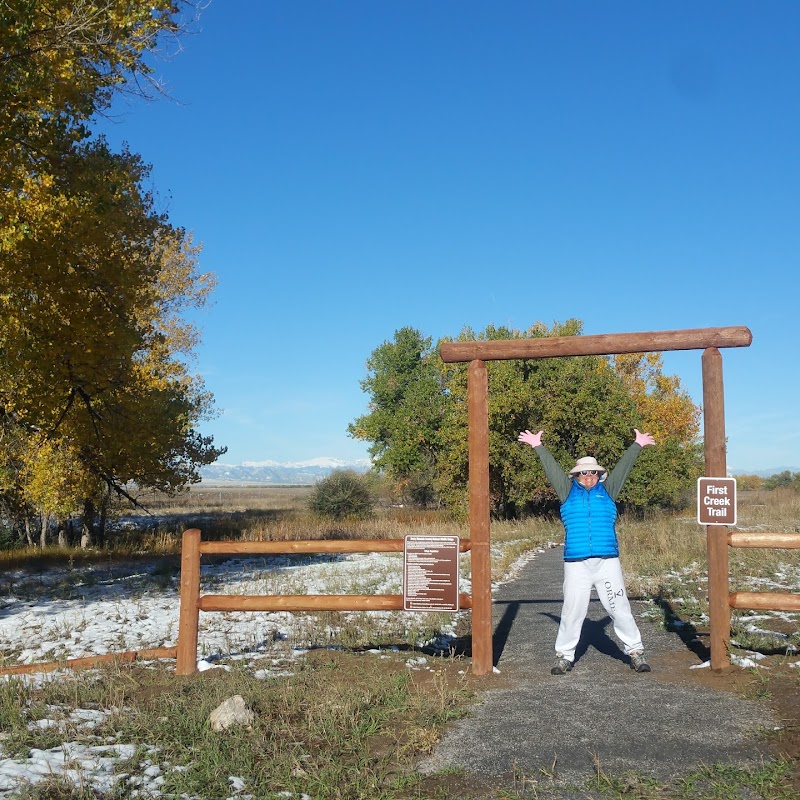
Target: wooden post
x: 719, y: 611
x: 478, y: 416
x: 186, y: 657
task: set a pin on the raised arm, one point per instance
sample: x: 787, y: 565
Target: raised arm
x: 618, y: 476
x: 558, y: 479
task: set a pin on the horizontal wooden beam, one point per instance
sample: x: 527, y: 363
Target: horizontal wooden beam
x: 313, y: 546
x: 601, y: 344
x: 89, y: 662
x: 781, y: 541
x: 765, y: 601
x: 309, y: 602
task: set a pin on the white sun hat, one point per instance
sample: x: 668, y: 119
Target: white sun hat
x: 587, y: 463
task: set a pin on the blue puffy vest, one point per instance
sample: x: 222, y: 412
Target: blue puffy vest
x: 589, y: 516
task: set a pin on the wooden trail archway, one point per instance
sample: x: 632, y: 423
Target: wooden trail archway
x: 477, y: 353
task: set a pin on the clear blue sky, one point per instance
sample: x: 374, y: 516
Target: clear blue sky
x: 355, y: 167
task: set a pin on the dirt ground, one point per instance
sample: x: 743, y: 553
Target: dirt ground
x: 772, y: 681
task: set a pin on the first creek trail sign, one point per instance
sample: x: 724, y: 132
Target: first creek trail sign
x: 716, y: 501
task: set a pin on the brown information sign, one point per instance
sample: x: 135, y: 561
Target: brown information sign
x: 716, y: 501
x: 430, y: 573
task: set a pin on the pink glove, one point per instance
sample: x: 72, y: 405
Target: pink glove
x: 533, y: 439
x: 643, y: 439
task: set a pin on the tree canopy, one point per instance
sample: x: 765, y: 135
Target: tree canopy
x: 96, y: 389
x: 589, y: 405
x: 407, y: 412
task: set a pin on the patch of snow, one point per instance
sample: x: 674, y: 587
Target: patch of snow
x: 95, y: 766
x: 746, y: 662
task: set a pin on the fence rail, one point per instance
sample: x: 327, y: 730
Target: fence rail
x: 784, y: 541
x: 308, y: 602
x: 315, y: 546
x: 764, y: 601
x: 89, y: 662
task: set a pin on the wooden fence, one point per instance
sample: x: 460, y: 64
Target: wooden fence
x: 192, y: 602
x: 764, y: 601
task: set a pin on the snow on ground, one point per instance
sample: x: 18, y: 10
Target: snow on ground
x: 69, y: 612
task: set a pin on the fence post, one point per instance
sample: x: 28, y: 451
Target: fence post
x: 186, y: 657
x: 478, y: 419
x: 719, y: 612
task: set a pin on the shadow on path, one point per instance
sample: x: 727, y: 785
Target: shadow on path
x: 503, y: 628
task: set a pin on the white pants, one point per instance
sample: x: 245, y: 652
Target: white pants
x: 605, y: 576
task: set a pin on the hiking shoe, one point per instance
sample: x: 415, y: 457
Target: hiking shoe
x: 639, y: 663
x: 562, y: 666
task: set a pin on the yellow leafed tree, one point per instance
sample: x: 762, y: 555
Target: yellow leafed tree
x: 95, y: 391
x: 667, y: 410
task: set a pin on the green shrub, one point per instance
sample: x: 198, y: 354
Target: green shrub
x: 785, y: 479
x: 343, y: 493
x: 8, y: 536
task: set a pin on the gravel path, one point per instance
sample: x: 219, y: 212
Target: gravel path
x: 603, y: 716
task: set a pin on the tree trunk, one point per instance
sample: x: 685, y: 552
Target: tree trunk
x: 101, y: 524
x: 87, y: 524
x: 43, y: 532
x: 28, y: 532
x: 63, y: 537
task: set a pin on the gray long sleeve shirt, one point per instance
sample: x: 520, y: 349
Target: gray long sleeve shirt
x: 562, y: 481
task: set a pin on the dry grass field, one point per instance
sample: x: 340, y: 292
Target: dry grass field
x: 658, y: 550
x: 207, y: 497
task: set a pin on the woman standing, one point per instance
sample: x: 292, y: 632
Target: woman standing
x: 588, y: 496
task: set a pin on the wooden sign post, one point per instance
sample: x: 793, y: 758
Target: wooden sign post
x: 719, y: 610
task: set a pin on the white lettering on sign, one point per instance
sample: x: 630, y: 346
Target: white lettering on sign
x: 431, y: 573
x: 716, y: 501
x: 717, y: 489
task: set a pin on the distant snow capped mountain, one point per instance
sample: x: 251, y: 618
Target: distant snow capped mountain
x: 279, y: 473
x: 762, y: 473
x: 324, y: 462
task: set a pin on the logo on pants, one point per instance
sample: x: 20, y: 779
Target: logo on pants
x: 612, y: 595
